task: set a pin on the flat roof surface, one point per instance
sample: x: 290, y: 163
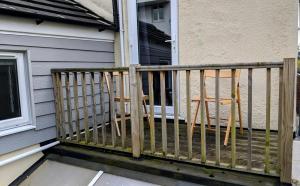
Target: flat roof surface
x: 60, y: 174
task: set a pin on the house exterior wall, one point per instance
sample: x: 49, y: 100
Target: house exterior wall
x: 233, y: 32
x: 50, y: 45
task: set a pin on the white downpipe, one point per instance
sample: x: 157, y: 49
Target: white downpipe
x: 122, y: 46
x: 122, y: 31
x: 26, y: 154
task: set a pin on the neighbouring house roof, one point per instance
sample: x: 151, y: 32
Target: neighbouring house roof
x: 65, y: 11
x: 149, y: 31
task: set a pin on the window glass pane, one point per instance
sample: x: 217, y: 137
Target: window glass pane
x: 155, y: 14
x: 9, y: 92
x: 153, y: 48
x: 161, y: 13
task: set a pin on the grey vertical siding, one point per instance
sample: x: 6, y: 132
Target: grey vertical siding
x: 47, y: 53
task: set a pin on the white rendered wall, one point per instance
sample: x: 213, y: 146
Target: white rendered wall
x: 238, y: 31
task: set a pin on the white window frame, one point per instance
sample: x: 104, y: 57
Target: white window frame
x: 25, y: 92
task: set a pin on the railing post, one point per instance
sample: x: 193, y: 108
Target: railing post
x: 288, y: 118
x: 134, y: 117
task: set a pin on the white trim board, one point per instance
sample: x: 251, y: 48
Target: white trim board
x: 27, y: 26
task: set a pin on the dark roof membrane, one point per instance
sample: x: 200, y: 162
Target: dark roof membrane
x: 66, y: 11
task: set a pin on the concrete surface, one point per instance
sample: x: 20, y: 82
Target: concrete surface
x: 59, y: 174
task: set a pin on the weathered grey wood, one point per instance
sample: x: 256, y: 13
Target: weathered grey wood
x: 288, y: 119
x: 140, y: 108
x: 136, y: 150
x: 57, y: 122
x: 202, y: 107
x: 70, y: 120
x: 122, y: 109
x: 77, y: 117
x: 176, y: 114
x: 211, y: 66
x: 151, y: 103
x: 188, y: 114
x: 279, y: 116
x: 249, y: 165
x: 93, y: 98
x: 61, y: 105
x: 233, y: 127
x: 163, y: 112
x: 85, y: 107
x: 217, y: 96
x: 102, y: 108
x: 268, y: 120
x: 112, y: 108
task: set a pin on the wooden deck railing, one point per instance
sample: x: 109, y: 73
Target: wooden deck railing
x: 91, y: 119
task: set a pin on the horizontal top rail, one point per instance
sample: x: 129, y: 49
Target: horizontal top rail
x: 111, y: 69
x: 178, y: 67
x: 211, y: 66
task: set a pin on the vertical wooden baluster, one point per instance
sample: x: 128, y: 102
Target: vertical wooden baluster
x: 188, y: 115
x: 102, y: 107
x: 140, y: 109
x: 85, y: 107
x: 95, y: 126
x: 57, y: 113
x: 69, y: 106
x: 62, y: 107
x: 217, y: 101
x: 279, y: 116
x: 112, y: 109
x: 233, y: 119
x: 75, y: 90
x: 122, y: 109
x: 163, y: 112
x: 268, y: 121
x: 203, y: 135
x: 176, y: 115
x: 151, y: 102
x: 249, y: 119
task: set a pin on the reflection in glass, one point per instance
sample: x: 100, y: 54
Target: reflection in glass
x: 154, y: 26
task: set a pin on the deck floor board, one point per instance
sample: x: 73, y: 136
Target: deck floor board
x: 258, y: 144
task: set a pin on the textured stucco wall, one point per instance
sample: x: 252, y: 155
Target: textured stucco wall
x: 229, y: 32
x: 238, y: 31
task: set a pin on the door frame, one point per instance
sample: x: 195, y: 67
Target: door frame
x: 134, y: 47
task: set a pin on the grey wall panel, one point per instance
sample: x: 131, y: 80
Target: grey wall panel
x: 43, y: 68
x: 45, y: 54
x: 47, y: 42
x: 24, y: 139
x: 43, y: 95
x: 45, y: 121
x: 50, y: 54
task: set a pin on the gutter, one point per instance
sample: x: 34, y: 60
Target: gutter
x: 26, y: 154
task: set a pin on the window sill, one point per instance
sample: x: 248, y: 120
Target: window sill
x: 16, y: 130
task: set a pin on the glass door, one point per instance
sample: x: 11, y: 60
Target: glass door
x: 156, y: 41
